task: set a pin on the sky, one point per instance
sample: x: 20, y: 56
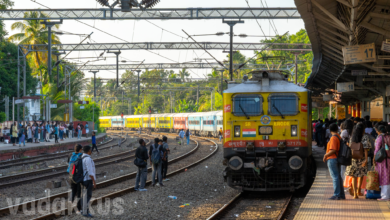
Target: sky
x: 142, y: 31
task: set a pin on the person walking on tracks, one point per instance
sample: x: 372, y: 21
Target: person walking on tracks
x: 334, y: 167
x: 181, y: 136
x: 188, y: 134
x: 94, y: 142
x: 156, y: 153
x: 141, y: 155
x: 89, y: 179
x: 75, y: 187
x: 165, y: 159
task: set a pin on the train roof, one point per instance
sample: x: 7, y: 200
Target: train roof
x: 274, y: 86
x: 265, y: 81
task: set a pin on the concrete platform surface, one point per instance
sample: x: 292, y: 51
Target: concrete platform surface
x: 317, y: 206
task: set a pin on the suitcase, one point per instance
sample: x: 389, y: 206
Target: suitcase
x: 372, y: 194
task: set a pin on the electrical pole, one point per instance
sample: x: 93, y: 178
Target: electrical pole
x: 117, y: 66
x: 222, y: 70
x: 49, y: 25
x: 138, y: 71
x: 94, y: 82
x: 231, y: 23
x: 57, y: 54
x: 296, y: 66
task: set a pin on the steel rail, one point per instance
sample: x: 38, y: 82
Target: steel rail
x: 41, y: 158
x: 21, y: 160
x: 38, y: 172
x: 131, y: 189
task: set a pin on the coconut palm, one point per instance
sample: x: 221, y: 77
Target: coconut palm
x: 33, y: 32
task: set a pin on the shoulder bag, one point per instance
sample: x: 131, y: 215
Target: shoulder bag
x: 139, y: 162
x: 381, y: 154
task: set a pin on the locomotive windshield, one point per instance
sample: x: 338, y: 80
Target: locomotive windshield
x: 283, y: 104
x: 247, y: 105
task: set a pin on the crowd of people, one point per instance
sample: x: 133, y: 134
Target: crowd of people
x: 356, y: 133
x: 36, y: 132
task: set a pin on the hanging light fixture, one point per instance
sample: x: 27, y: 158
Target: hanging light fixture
x: 377, y: 103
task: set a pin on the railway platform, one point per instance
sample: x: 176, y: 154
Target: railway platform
x: 317, y: 206
x: 7, y: 151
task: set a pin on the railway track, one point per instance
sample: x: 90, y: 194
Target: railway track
x: 56, y: 171
x: 41, y: 158
x: 195, y: 155
x: 249, y: 205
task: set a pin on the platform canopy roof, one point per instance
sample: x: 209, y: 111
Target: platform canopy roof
x: 334, y: 24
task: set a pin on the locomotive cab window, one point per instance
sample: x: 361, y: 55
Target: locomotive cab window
x: 283, y: 104
x: 247, y: 105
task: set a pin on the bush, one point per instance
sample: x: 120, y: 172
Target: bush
x: 2, y: 117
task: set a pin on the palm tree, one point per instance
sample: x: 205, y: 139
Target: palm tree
x: 33, y: 32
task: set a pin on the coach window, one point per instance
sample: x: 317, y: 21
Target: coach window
x: 247, y: 105
x: 283, y: 104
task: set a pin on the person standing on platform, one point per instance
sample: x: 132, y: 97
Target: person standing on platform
x: 1, y: 134
x: 22, y: 136
x: 188, y: 134
x: 29, y: 134
x: 70, y: 130
x: 358, y: 168
x: 79, y: 131
x: 319, y: 130
x: 383, y: 168
x: 94, y: 142
x: 346, y: 132
x: 86, y: 129
x: 14, y: 133
x: 181, y: 136
x: 142, y: 173
x: 334, y: 167
x: 56, y: 133
x: 36, y: 133
x: 47, y: 128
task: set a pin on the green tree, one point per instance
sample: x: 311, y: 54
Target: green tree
x: 4, y: 5
x: 91, y: 111
x: 2, y: 117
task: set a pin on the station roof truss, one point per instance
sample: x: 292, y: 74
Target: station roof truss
x: 156, y: 14
x: 26, y: 48
x: 332, y: 25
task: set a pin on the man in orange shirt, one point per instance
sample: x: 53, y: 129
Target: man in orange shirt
x: 330, y: 158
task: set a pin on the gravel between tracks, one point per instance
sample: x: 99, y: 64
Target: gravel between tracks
x: 198, y: 186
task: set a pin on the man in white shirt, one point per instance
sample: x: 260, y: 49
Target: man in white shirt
x: 89, y: 179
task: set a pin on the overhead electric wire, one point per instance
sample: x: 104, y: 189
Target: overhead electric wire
x: 256, y: 19
x: 219, y: 62
x: 102, y: 30
x: 271, y: 20
x: 269, y: 45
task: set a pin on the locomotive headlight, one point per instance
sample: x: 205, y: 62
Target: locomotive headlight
x: 294, y: 130
x: 295, y: 162
x: 237, y: 131
x: 235, y: 163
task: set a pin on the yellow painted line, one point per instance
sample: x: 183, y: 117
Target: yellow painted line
x: 385, y: 209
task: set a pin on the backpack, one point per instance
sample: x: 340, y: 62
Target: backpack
x: 76, y: 174
x: 344, y: 156
x: 187, y: 133
x: 156, y: 155
x: 72, y: 158
x: 357, y: 150
x: 371, y: 139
